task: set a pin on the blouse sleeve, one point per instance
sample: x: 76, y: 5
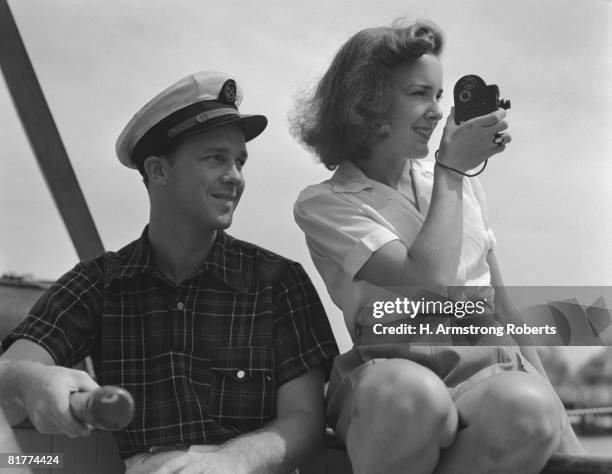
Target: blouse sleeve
x: 336, y: 228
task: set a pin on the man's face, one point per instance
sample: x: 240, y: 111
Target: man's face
x: 205, y: 181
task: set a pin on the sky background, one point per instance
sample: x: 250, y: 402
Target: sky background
x: 550, y: 193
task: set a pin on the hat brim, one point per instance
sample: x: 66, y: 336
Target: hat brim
x: 252, y: 125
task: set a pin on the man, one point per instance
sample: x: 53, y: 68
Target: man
x: 225, y: 346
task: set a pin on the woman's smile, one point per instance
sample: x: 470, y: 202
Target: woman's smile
x: 424, y: 132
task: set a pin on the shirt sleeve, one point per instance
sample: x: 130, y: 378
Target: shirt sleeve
x: 63, y: 320
x: 303, y: 338
x: 340, y: 230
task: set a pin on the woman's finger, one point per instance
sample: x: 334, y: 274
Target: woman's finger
x: 489, y: 120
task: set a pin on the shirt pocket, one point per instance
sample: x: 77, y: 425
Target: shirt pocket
x: 242, y: 387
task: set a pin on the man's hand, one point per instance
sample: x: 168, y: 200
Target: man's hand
x: 31, y: 386
x: 193, y: 462
x: 277, y: 448
x: 45, y: 396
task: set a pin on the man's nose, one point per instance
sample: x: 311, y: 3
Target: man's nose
x: 233, y: 175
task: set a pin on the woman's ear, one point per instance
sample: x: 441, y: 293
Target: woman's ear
x: 156, y: 169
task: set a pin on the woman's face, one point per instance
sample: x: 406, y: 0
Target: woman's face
x: 416, y: 111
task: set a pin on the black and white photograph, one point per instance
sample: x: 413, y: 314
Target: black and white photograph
x: 341, y: 237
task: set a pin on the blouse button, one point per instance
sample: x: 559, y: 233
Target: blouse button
x: 180, y: 305
x: 240, y: 374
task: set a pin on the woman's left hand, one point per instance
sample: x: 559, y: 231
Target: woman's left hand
x: 466, y: 146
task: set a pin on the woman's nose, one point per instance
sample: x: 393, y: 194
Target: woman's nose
x: 434, y: 112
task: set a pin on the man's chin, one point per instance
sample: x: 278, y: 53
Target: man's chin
x: 224, y: 223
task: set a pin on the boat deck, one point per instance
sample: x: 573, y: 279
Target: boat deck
x: 97, y: 454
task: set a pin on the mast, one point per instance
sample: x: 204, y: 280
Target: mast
x: 45, y: 139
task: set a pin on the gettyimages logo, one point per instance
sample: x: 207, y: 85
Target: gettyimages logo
x: 576, y: 324
x: 540, y: 316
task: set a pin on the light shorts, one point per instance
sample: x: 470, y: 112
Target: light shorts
x: 460, y: 368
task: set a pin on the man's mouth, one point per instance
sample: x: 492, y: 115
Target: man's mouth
x: 224, y: 197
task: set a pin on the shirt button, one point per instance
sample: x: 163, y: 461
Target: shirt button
x: 180, y: 305
x: 240, y: 374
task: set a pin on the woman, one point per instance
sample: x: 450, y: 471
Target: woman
x: 388, y: 223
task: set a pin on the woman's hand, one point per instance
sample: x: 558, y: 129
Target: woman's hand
x: 466, y: 146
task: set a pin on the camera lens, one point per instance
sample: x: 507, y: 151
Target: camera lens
x: 465, y: 96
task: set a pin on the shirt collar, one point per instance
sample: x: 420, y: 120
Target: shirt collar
x: 348, y: 178
x: 225, y: 261
x: 229, y: 264
x: 135, y: 259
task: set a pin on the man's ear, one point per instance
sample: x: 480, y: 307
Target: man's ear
x: 156, y: 169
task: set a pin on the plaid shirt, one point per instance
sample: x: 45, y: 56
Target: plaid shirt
x: 203, y: 359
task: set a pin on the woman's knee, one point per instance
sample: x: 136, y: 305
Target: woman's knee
x: 397, y: 392
x: 523, y: 414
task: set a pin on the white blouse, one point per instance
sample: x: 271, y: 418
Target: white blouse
x: 349, y: 217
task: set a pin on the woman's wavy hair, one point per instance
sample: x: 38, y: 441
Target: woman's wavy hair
x: 352, y: 104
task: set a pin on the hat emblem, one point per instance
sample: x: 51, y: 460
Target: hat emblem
x: 228, y: 92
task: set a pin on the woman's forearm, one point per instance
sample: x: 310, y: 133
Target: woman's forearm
x: 437, y: 248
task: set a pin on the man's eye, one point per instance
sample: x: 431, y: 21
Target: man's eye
x: 215, y: 158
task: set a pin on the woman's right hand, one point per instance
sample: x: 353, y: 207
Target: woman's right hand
x: 466, y: 146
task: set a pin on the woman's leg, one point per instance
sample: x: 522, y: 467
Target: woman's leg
x: 570, y: 444
x: 401, y: 415
x: 514, y: 423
